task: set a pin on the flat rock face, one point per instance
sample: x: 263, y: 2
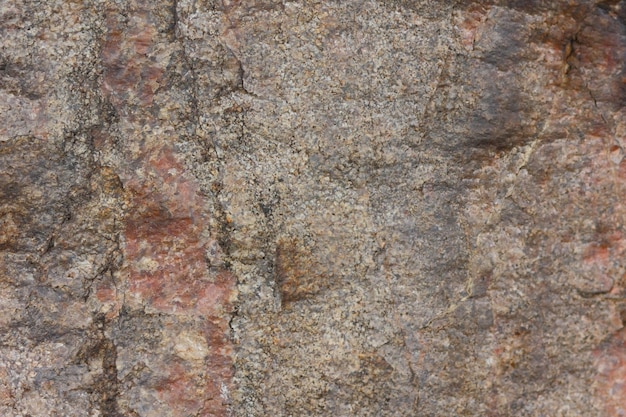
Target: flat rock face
x: 263, y: 208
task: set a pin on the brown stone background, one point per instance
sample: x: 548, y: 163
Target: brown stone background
x: 314, y: 208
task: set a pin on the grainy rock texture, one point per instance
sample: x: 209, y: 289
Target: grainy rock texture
x: 320, y: 208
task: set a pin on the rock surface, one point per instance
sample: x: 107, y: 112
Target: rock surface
x: 263, y: 208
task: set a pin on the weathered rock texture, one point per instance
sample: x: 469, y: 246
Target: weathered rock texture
x: 361, y: 208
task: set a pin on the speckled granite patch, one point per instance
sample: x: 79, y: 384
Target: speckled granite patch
x: 360, y: 208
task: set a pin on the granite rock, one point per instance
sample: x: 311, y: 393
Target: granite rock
x: 263, y: 208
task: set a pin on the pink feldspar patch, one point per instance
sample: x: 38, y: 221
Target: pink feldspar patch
x: 166, y: 229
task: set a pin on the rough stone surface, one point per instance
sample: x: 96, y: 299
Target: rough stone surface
x: 360, y: 208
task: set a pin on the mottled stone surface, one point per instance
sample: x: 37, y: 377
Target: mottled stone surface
x: 360, y: 208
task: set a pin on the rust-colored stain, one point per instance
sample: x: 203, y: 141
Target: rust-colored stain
x: 166, y: 225
x: 296, y: 277
x: 470, y: 26
x: 128, y: 73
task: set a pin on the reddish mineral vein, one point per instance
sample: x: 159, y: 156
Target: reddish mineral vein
x: 166, y: 224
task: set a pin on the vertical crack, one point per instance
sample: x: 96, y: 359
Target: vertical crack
x: 109, y: 406
x: 109, y: 384
x: 178, y: 38
x: 100, y: 348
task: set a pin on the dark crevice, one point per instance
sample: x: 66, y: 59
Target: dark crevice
x: 223, y: 234
x: 234, y: 315
x: 595, y: 104
x: 174, y: 22
x: 98, y: 347
x: 592, y: 293
x: 188, y: 64
x: 569, y: 55
x: 110, y: 390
